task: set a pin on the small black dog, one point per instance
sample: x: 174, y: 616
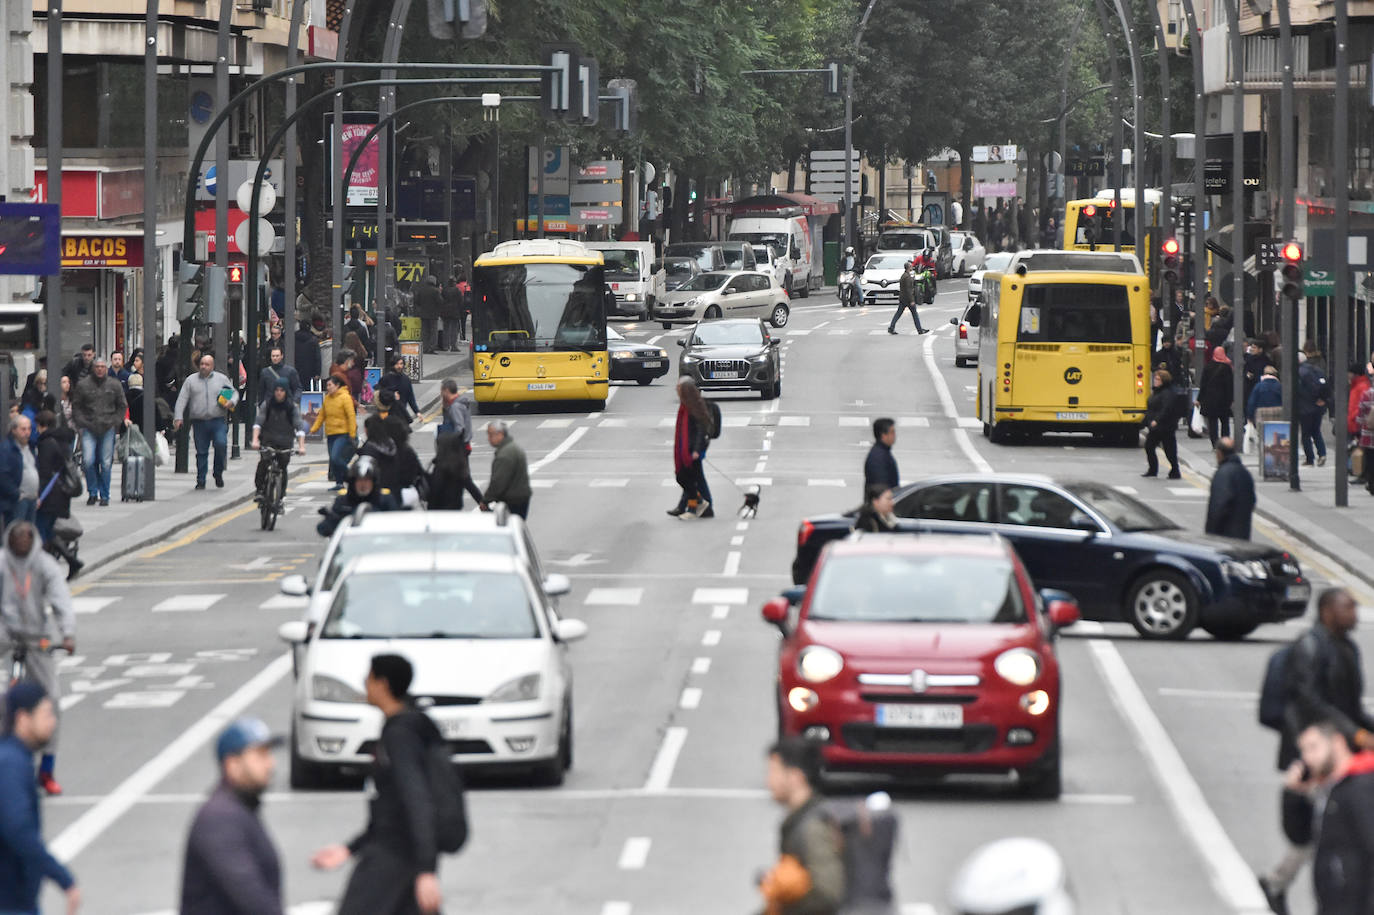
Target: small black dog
x: 750, y: 508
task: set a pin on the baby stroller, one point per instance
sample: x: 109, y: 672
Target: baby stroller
x: 66, y: 535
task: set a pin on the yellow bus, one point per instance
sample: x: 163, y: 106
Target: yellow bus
x: 1064, y: 345
x: 539, y: 323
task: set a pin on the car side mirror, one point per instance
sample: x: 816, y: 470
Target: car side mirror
x: 569, y: 630
x: 774, y: 341
x: 776, y: 611
x: 681, y: 341
x: 794, y: 594
x: 556, y: 585
x: 1063, y: 613
x: 730, y: 290
x: 294, y: 632
x: 294, y: 586
x: 954, y: 320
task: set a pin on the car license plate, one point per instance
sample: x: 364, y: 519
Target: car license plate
x: 920, y: 716
x: 724, y: 376
x: 1297, y: 592
x: 1070, y: 416
x: 542, y: 386
x: 453, y: 728
x: 653, y: 364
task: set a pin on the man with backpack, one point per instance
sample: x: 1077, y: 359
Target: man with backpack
x: 809, y: 877
x: 1317, y: 678
x: 417, y: 810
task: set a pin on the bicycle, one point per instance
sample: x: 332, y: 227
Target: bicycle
x: 19, y: 656
x: 273, y: 486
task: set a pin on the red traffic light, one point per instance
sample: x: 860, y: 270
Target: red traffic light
x: 1090, y: 211
x: 236, y: 273
x: 1170, y: 246
x: 1292, y: 252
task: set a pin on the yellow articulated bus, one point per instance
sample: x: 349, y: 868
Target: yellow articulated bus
x: 1065, y: 346
x: 539, y: 323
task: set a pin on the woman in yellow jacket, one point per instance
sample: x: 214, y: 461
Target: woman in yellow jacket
x: 340, y: 427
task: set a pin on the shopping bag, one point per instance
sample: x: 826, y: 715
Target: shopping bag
x: 135, y: 444
x: 1250, y: 442
x: 162, y: 452
x: 1197, y: 423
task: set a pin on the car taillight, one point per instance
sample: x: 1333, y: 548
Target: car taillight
x: 804, y: 533
x: 963, y: 331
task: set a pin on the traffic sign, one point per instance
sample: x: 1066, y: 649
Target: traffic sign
x: 1268, y: 253
x: 1319, y: 282
x: 1005, y: 153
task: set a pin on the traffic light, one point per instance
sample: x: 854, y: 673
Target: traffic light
x: 346, y: 279
x: 556, y: 87
x: 215, y: 292
x: 1170, y: 249
x: 190, y: 278
x: 1087, y: 218
x: 234, y: 284
x: 626, y: 91
x: 832, y: 77
x: 1292, y: 270
x: 586, y: 101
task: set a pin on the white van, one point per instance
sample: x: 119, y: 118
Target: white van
x: 789, y: 234
x: 631, y: 276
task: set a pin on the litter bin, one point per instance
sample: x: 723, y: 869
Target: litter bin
x: 831, y: 255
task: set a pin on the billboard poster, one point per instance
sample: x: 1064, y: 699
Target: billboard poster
x: 363, y: 185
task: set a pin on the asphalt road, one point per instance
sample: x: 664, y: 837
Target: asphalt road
x: 1170, y: 792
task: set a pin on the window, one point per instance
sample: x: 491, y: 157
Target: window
x: 1074, y: 313
x: 538, y: 307
x: 725, y: 333
x: 759, y: 283
x: 432, y: 605
x: 1120, y: 509
x: 705, y: 282
x: 918, y: 589
x: 351, y: 546
x: 949, y: 502
x: 1032, y: 506
x: 622, y: 262
x: 974, y: 316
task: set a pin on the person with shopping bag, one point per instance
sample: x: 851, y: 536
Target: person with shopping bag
x: 207, y: 397
x: 1216, y: 392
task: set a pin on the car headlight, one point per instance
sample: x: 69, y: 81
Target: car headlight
x: 331, y: 689
x: 760, y: 358
x: 1019, y: 666
x: 1245, y: 569
x: 817, y: 664
x: 622, y: 354
x: 663, y: 354
x: 521, y: 689
x: 690, y: 303
x: 632, y: 297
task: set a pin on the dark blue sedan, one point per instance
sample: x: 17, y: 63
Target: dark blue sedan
x: 1120, y: 558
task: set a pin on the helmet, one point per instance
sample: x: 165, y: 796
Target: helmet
x: 364, y: 466
x: 849, y: 250
x: 1012, y: 876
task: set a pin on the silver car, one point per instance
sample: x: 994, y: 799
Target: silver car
x: 724, y: 294
x: 732, y: 356
x: 966, y: 337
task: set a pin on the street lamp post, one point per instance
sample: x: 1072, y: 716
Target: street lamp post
x: 1137, y: 129
x: 1238, y: 239
x: 1340, y: 319
x: 1199, y: 187
x: 53, y: 285
x: 222, y: 188
x: 150, y: 270
x: 849, y: 128
x: 289, y: 191
x: 1118, y: 132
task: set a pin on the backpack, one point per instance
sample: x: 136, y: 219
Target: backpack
x: 1273, y: 698
x: 714, y: 410
x: 446, y: 796
x: 72, y: 479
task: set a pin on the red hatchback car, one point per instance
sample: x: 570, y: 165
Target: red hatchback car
x: 924, y: 656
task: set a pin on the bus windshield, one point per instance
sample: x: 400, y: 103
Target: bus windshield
x: 539, y: 307
x: 1074, y: 313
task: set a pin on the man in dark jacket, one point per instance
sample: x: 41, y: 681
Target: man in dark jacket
x: 18, y: 472
x: 54, y: 447
x: 1232, y: 499
x: 81, y: 364
x: 98, y: 412
x: 429, y: 303
x: 880, y: 467
x: 906, y: 299
x: 510, y: 473
x: 231, y: 865
x: 1255, y: 363
x: 1344, y: 782
x: 398, y: 854
x: 364, y: 487
x: 808, y: 838
x: 1169, y: 358
x: 30, y: 721
x: 452, y: 313
x: 274, y: 370
x: 1314, y: 396
x: 307, y: 354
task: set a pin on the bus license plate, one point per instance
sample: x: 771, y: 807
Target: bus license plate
x: 725, y: 376
x: 1070, y: 416
x: 920, y: 716
x: 542, y: 386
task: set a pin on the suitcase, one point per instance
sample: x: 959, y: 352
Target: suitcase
x: 134, y: 480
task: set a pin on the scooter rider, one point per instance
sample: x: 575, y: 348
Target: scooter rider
x: 848, y: 280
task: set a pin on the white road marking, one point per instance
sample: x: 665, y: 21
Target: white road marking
x: 614, y: 422
x: 827, y: 482
x: 720, y: 596
x: 165, y: 698
x: 754, y: 481
x: 543, y: 484
x: 735, y: 421
x: 742, y: 526
x: 767, y: 444
x: 838, y: 332
x: 918, y: 421
x: 1221, y: 695
x: 665, y: 760
x: 314, y: 484
x: 559, y: 450
x: 1191, y: 492
x: 560, y: 423
x: 89, y: 826
x: 187, y: 603
x: 1232, y: 877
x: 946, y: 401
x: 798, y: 333
x: 609, y: 484
x: 860, y: 422
x: 635, y: 853
x: 736, y: 541
x: 720, y: 612
x: 1104, y: 799
x: 616, y: 908
x: 710, y: 638
x: 654, y: 339
x: 1128, y: 490
x: 68, y: 701
x: 614, y: 597
x: 284, y: 602
x: 919, y: 908
x: 876, y: 333
x: 731, y: 563
x: 666, y: 422
x: 690, y: 698
x: 970, y: 422
x: 1088, y: 627
x: 91, y: 604
x: 701, y: 665
x: 794, y: 421
x: 819, y: 326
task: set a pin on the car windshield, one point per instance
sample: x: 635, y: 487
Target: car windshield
x: 705, y: 282
x: 1121, y: 510
x: 681, y: 267
x: 702, y: 254
x: 903, y: 241
x: 761, y: 240
x: 722, y: 333
x: 886, y: 262
x: 621, y: 261
x: 998, y: 262
x: 734, y: 257
x: 890, y: 588
x: 432, y: 605
x: 352, y: 546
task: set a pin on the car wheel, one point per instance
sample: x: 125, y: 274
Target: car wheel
x: 1162, y: 605
x: 960, y: 362
x: 777, y: 388
x: 550, y: 774
x: 644, y: 380
x: 1229, y: 632
x: 805, y: 290
x: 1045, y: 780
x: 780, y: 313
x: 305, y: 775
x: 768, y: 393
x: 712, y: 312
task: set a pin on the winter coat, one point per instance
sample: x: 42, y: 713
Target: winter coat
x: 98, y: 405
x: 810, y: 836
x: 383, y: 454
x: 1231, y: 500
x: 453, y: 303
x: 1325, y: 682
x: 1161, y: 408
x: 25, y: 612
x: 510, y: 475
x: 1254, y: 370
x: 54, y: 448
x: 267, y: 380
x: 1215, y: 390
x: 1341, y: 872
x: 199, y: 397
x: 345, y: 504
x: 880, y: 468
x: 429, y: 301
x: 232, y: 867
x: 24, y: 858
x: 279, y: 423
x: 402, y: 390
x: 307, y: 355
x: 1268, y: 393
x: 1352, y: 410
x: 1314, y: 389
x: 11, y: 473
x: 1366, y: 404
x: 871, y: 522
x: 337, y: 415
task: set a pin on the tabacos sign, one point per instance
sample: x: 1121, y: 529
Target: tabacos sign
x: 102, y: 251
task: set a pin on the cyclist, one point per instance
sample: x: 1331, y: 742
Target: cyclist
x: 278, y: 426
x: 33, y: 583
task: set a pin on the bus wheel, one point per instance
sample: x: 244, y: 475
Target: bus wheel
x: 999, y: 434
x: 987, y: 430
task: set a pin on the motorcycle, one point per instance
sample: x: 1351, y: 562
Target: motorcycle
x: 849, y: 289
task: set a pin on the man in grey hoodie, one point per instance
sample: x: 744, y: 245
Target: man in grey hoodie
x: 199, y: 401
x: 33, y: 582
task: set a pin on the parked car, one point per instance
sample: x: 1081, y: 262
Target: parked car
x: 914, y: 239
x: 708, y: 255
x: 739, y: 255
x: 923, y: 657
x: 968, y: 252
x: 676, y: 271
x: 490, y: 656
x: 734, y: 294
x: 1119, y: 558
x: 966, y: 334
x: 994, y: 263
x: 631, y: 361
x: 732, y: 355
x: 881, y: 276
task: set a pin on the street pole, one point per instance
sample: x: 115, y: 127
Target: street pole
x: 53, y: 286
x: 289, y: 191
x: 340, y: 211
x: 849, y: 127
x: 1064, y: 115
x: 1340, y: 307
x: 1137, y: 131
x: 1119, y: 134
x: 1288, y: 305
x: 391, y: 51
x: 1199, y: 194
x: 1238, y: 246
x: 1166, y: 127
x: 222, y: 189
x: 150, y: 270
x: 538, y: 190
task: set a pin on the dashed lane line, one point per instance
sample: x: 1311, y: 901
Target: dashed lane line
x: 635, y: 854
x: 690, y: 698
x: 665, y: 760
x: 701, y: 665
